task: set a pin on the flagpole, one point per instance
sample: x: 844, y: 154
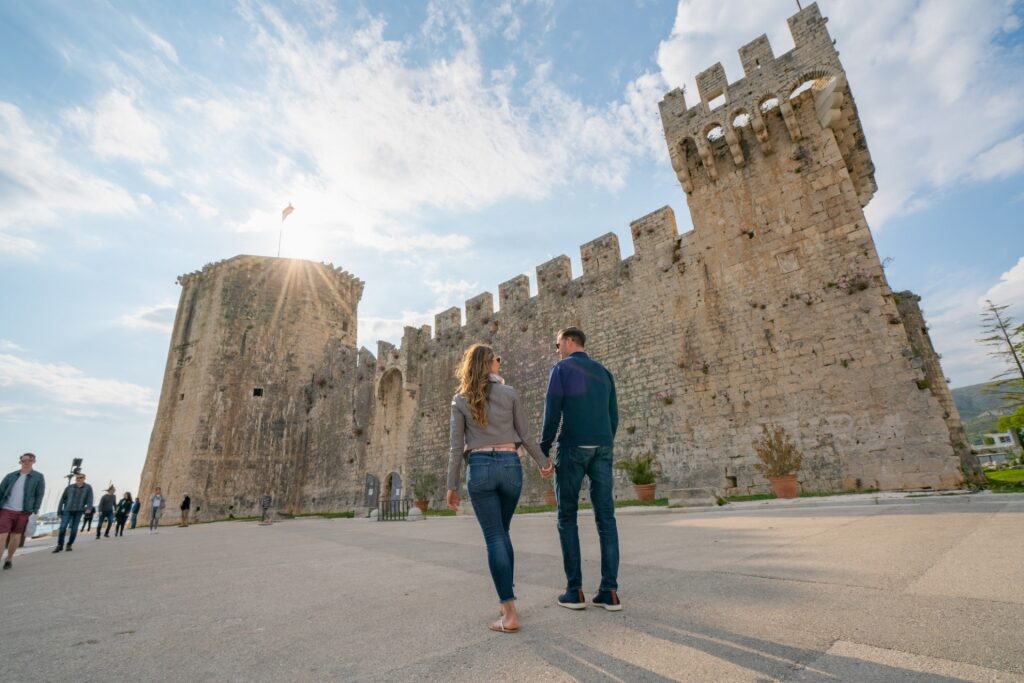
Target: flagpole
x: 280, y: 232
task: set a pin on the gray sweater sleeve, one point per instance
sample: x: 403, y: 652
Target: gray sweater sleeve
x: 522, y: 427
x: 457, y: 446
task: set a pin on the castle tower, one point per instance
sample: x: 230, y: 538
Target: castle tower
x: 776, y: 172
x: 256, y: 343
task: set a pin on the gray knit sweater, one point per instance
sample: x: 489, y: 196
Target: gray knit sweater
x: 506, y: 423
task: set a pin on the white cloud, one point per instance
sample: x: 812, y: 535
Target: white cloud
x: 158, y: 42
x: 39, y: 188
x: 933, y: 89
x: 159, y: 317
x: 116, y: 128
x: 8, y: 345
x: 364, y: 140
x: 221, y: 113
x: 19, y: 247
x: 204, y: 207
x: 1002, y: 161
x: 157, y: 178
x: 67, y: 384
x: 451, y: 292
x: 374, y: 329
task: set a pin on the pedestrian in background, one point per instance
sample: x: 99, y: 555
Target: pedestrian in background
x: 87, y: 515
x: 156, y: 508
x: 136, y: 506
x: 106, y: 508
x: 124, y: 507
x: 266, y: 500
x: 186, y: 506
x: 73, y: 502
x: 21, y: 496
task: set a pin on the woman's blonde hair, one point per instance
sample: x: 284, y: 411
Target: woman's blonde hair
x: 474, y: 380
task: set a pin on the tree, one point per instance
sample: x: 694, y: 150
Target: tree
x: 1007, y: 341
x: 1011, y: 422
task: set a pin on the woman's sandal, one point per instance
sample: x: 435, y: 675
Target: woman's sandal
x: 499, y: 626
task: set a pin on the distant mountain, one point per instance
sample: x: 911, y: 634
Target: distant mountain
x: 979, y: 409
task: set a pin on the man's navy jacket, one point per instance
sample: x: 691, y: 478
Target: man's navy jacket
x: 581, y: 393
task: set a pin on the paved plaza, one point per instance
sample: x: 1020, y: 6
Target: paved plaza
x: 910, y: 589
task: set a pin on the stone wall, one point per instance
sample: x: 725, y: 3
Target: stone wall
x: 259, y: 389
x: 773, y: 309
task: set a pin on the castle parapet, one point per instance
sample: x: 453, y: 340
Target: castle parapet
x: 654, y: 232
x: 514, y: 293
x: 554, y: 275
x: 731, y: 122
x: 480, y: 309
x: 600, y: 255
x: 448, y: 321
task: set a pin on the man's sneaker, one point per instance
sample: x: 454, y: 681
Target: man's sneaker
x: 609, y: 600
x: 69, y: 549
x: 58, y: 549
x: 572, y: 600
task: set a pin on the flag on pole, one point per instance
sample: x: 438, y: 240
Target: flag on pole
x: 287, y: 211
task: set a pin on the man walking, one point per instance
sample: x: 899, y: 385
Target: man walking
x: 106, y: 509
x: 136, y: 506
x: 266, y: 500
x: 581, y: 396
x: 186, y: 506
x: 73, y: 502
x: 21, y: 495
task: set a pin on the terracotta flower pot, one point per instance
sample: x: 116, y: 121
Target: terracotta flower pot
x: 784, y: 486
x: 549, y: 497
x: 645, y: 491
x: 422, y: 505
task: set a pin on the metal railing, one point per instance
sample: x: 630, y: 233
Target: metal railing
x: 393, y: 510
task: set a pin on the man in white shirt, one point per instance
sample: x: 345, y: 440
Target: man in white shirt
x: 21, y: 496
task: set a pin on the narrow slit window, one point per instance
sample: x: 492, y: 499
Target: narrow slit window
x: 257, y: 392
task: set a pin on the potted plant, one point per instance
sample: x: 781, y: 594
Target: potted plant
x: 643, y: 471
x: 780, y: 460
x: 424, y: 484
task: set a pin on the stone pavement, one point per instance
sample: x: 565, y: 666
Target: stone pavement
x: 922, y: 589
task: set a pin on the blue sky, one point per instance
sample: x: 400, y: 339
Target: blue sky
x: 433, y: 149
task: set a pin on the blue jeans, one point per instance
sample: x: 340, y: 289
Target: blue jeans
x: 66, y: 519
x: 495, y: 481
x: 571, y: 464
x: 109, y: 516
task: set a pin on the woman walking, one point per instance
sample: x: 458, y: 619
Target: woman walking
x: 488, y: 424
x: 124, y: 507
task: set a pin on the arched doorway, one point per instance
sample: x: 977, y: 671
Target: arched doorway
x: 393, y: 487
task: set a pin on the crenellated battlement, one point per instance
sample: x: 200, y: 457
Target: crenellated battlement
x: 655, y: 238
x: 732, y: 123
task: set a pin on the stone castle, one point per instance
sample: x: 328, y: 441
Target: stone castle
x: 774, y: 308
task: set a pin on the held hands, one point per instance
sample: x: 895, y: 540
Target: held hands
x: 453, y: 499
x: 546, y: 472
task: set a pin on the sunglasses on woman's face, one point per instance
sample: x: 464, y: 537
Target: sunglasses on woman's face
x: 498, y: 359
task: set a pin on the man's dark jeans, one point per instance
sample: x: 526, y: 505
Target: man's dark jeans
x: 571, y: 464
x: 71, y: 519
x: 495, y: 481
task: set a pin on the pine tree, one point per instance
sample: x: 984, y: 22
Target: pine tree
x: 1007, y: 341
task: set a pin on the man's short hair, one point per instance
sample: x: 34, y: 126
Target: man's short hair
x: 29, y: 455
x: 574, y: 333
